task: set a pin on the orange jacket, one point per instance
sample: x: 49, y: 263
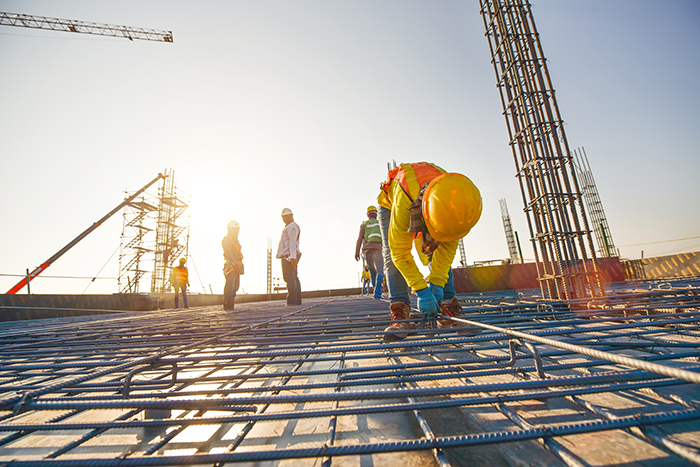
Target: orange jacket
x: 401, y: 187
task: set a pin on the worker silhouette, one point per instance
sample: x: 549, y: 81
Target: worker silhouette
x: 180, y: 280
x: 233, y: 267
x: 288, y: 252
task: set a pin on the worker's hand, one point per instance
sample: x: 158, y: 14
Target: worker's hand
x: 357, y: 257
x: 427, y: 303
x: 294, y: 261
x: 438, y: 291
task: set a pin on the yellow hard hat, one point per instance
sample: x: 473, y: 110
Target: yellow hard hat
x: 371, y: 209
x: 451, y: 207
x: 182, y: 260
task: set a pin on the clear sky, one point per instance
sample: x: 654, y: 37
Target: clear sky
x: 264, y: 104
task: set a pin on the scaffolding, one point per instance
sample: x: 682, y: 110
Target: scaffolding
x: 462, y: 253
x: 136, y: 242
x: 559, y: 232
x: 269, y: 268
x: 172, y: 233
x: 594, y: 205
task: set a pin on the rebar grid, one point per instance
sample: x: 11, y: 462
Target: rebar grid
x: 317, y: 385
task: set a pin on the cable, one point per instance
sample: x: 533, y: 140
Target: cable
x: 58, y: 277
x: 662, y: 241
x: 197, y: 272
x: 98, y: 272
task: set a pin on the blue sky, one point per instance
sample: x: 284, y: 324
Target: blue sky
x: 260, y: 105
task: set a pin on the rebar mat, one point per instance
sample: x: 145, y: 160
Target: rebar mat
x: 513, y: 381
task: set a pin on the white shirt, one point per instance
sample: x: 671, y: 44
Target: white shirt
x: 289, y: 243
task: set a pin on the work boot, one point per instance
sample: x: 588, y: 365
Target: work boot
x: 399, y: 312
x: 455, y: 310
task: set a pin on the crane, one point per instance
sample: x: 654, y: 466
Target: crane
x: 83, y: 27
x: 48, y: 262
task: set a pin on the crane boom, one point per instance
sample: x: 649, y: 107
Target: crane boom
x: 48, y: 262
x: 83, y: 27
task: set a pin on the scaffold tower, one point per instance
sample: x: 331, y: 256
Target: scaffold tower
x: 510, y: 236
x: 462, y: 253
x: 594, y: 206
x: 137, y: 241
x: 172, y: 233
x: 559, y: 231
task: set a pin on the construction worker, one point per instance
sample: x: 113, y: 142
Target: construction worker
x: 423, y: 204
x: 233, y: 267
x: 180, y: 280
x: 370, y: 241
x: 366, y: 278
x: 288, y: 252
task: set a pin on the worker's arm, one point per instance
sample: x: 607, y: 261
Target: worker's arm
x: 360, y: 240
x: 230, y: 251
x: 442, y: 263
x: 401, y: 243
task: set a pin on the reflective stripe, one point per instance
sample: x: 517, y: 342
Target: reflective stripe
x: 180, y: 275
x: 372, y: 232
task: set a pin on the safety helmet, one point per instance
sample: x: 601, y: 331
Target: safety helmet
x: 233, y: 225
x: 182, y: 260
x: 451, y: 207
x: 371, y: 209
x: 286, y: 212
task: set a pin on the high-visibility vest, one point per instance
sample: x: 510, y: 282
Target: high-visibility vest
x: 372, y: 232
x: 180, y: 275
x: 410, y: 178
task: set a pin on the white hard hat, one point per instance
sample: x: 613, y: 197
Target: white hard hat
x: 286, y: 212
x: 233, y: 225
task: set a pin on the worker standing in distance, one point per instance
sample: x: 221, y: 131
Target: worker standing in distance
x: 233, y: 267
x: 180, y: 280
x: 288, y: 252
x: 366, y: 280
x: 423, y: 204
x: 370, y: 242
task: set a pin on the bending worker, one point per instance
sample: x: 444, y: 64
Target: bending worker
x: 370, y: 241
x: 423, y: 204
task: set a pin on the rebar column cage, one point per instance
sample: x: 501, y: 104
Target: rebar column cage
x: 510, y: 237
x: 171, y: 233
x: 559, y: 232
x: 594, y: 206
x: 136, y: 241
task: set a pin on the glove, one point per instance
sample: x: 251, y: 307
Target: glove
x: 427, y: 303
x: 438, y: 291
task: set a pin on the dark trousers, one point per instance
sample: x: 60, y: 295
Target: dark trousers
x: 233, y: 281
x: 289, y: 274
x: 182, y: 287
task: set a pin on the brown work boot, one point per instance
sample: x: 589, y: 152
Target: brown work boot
x: 399, y: 312
x: 455, y: 310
